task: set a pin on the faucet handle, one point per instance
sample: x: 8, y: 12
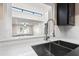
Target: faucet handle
x: 47, y: 37
x: 53, y: 34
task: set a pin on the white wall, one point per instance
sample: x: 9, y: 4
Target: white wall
x: 69, y: 32
x: 36, y: 7
x: 5, y: 21
x: 66, y: 32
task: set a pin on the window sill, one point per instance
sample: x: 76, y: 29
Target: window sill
x: 27, y: 37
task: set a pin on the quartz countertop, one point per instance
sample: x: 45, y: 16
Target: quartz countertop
x: 24, y: 47
x: 20, y: 48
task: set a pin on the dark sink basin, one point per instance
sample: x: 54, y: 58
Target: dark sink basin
x: 67, y: 44
x: 56, y: 48
x: 42, y: 50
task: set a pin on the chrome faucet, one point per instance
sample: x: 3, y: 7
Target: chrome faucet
x: 46, y: 29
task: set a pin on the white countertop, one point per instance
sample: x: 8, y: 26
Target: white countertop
x: 20, y: 48
x: 23, y: 47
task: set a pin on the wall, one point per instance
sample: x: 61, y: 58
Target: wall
x: 35, y: 7
x: 5, y: 21
x: 42, y: 8
x: 66, y: 32
x: 69, y: 32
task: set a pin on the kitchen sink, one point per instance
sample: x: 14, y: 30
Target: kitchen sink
x: 55, y: 48
x: 67, y: 44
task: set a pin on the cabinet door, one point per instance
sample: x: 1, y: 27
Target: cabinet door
x: 62, y: 10
x: 72, y: 14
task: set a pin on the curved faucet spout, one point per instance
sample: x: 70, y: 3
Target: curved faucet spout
x: 46, y: 29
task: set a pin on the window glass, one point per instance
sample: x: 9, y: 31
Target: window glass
x: 22, y: 29
x: 26, y: 29
x: 15, y: 9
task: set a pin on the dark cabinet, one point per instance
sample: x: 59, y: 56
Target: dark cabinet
x: 65, y: 13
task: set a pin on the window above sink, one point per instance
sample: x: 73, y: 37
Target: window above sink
x: 29, y: 21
